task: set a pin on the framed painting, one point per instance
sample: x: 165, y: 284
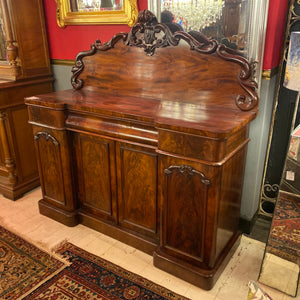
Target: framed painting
x: 88, y: 12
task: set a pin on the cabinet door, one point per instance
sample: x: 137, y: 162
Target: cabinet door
x: 137, y: 188
x: 189, y: 196
x: 95, y: 157
x: 52, y: 155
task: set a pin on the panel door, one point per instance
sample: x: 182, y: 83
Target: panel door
x: 189, y: 205
x: 95, y: 159
x: 137, y: 188
x: 50, y: 152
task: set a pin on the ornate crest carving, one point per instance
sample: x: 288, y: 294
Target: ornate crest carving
x: 148, y: 34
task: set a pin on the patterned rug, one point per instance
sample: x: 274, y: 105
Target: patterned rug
x: 284, y: 238
x: 23, y: 266
x: 90, y: 277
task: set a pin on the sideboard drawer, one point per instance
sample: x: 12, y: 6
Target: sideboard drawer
x: 192, y: 146
x: 210, y: 149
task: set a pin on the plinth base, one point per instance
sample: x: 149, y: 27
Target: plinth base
x: 202, y: 277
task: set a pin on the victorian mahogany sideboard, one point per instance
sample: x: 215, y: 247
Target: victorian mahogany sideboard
x: 150, y: 145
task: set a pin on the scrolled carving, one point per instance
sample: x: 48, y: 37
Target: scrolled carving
x: 184, y: 169
x: 79, y: 65
x: 148, y: 34
x: 244, y: 102
x: 47, y: 136
x: 146, y: 37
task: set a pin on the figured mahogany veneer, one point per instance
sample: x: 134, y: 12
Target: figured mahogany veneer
x: 150, y: 146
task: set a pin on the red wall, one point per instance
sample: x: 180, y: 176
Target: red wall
x: 65, y: 43
x: 275, y: 33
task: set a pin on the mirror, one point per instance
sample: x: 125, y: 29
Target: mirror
x: 239, y: 24
x: 2, y: 41
x: 218, y: 19
x: 95, y: 5
x: 80, y: 12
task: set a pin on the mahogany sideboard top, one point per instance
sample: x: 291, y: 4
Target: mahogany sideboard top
x: 150, y: 146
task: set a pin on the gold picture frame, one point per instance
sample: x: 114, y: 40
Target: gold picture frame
x: 126, y: 14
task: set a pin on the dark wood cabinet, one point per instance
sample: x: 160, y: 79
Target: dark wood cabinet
x: 200, y: 214
x: 150, y: 149
x: 24, y: 71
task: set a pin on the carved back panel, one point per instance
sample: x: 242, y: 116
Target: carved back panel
x: 151, y: 62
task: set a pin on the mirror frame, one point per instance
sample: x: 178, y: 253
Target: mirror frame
x: 128, y: 15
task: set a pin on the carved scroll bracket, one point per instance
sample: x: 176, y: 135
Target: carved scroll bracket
x: 250, y: 100
x: 47, y: 136
x: 188, y: 170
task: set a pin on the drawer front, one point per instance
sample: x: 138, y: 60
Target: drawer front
x: 191, y: 146
x: 54, y: 118
x: 203, y: 148
x: 114, y: 128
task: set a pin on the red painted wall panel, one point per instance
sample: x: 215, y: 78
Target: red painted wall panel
x: 65, y: 43
x: 275, y: 33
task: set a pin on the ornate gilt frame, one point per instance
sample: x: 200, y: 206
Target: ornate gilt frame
x: 128, y: 15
